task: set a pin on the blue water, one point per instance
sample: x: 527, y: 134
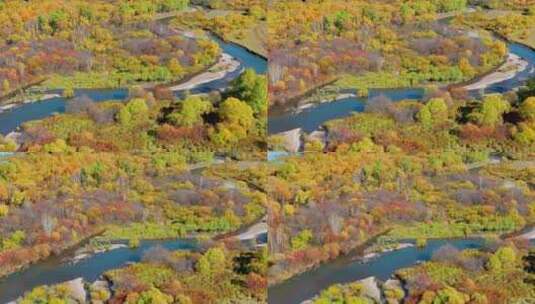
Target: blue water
x: 345, y: 270
x: 311, y: 118
x: 10, y: 120
x: 54, y: 270
x: 248, y: 59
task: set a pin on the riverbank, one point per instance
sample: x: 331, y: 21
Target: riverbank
x: 90, y: 264
x: 247, y: 232
x: 64, y: 250
x: 365, y: 253
x: 225, y: 65
x: 6, y: 99
x: 513, y: 65
x: 58, y: 269
x: 247, y: 43
x: 369, y: 288
x: 299, y: 102
x: 250, y: 39
x: 350, y: 253
x: 11, y: 104
x: 292, y: 140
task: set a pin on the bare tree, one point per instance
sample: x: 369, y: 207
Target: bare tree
x: 78, y: 104
x: 49, y: 223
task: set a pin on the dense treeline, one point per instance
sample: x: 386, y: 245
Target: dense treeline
x: 500, y: 273
x: 119, y: 167
x: 243, y: 22
x: 511, y: 24
x: 166, y: 277
x: 51, y: 201
x: 369, y: 45
x: 195, y: 127
x: 95, y: 44
x: 410, y: 166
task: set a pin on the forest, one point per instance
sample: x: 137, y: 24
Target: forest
x: 195, y: 128
x: 65, y: 198
x: 159, y: 165
x: 167, y: 277
x: 362, y: 45
x: 501, y: 273
x: 139, y: 164
x: 410, y: 169
x: 96, y: 44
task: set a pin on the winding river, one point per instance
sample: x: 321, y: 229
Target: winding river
x: 311, y: 118
x: 10, y: 120
x: 346, y: 269
x: 57, y: 269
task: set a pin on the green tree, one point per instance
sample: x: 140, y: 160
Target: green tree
x: 175, y: 68
x: 451, y: 5
x: 301, y: 240
x: 172, y: 5
x: 154, y: 296
x: 434, y: 112
x: 191, y: 111
x: 68, y: 92
x: 6, y: 86
x: 527, y: 109
x: 491, y: 110
x: 252, y: 89
x: 526, y: 135
x: 212, y: 262
x: 13, y: 241
x: 236, y: 112
x: 4, y: 210
x: 57, y: 146
x: 450, y: 295
x: 134, y: 112
x: 503, y: 259
x: 237, y: 121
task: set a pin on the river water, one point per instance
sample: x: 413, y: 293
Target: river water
x: 295, y: 290
x: 311, y: 118
x: 11, y: 119
x: 55, y: 269
x: 344, y: 270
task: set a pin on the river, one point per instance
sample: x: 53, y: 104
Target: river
x: 10, y: 120
x: 60, y: 268
x: 311, y: 118
x: 346, y: 269
x: 56, y: 269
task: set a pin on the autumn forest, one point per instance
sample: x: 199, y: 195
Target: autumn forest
x: 267, y: 151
